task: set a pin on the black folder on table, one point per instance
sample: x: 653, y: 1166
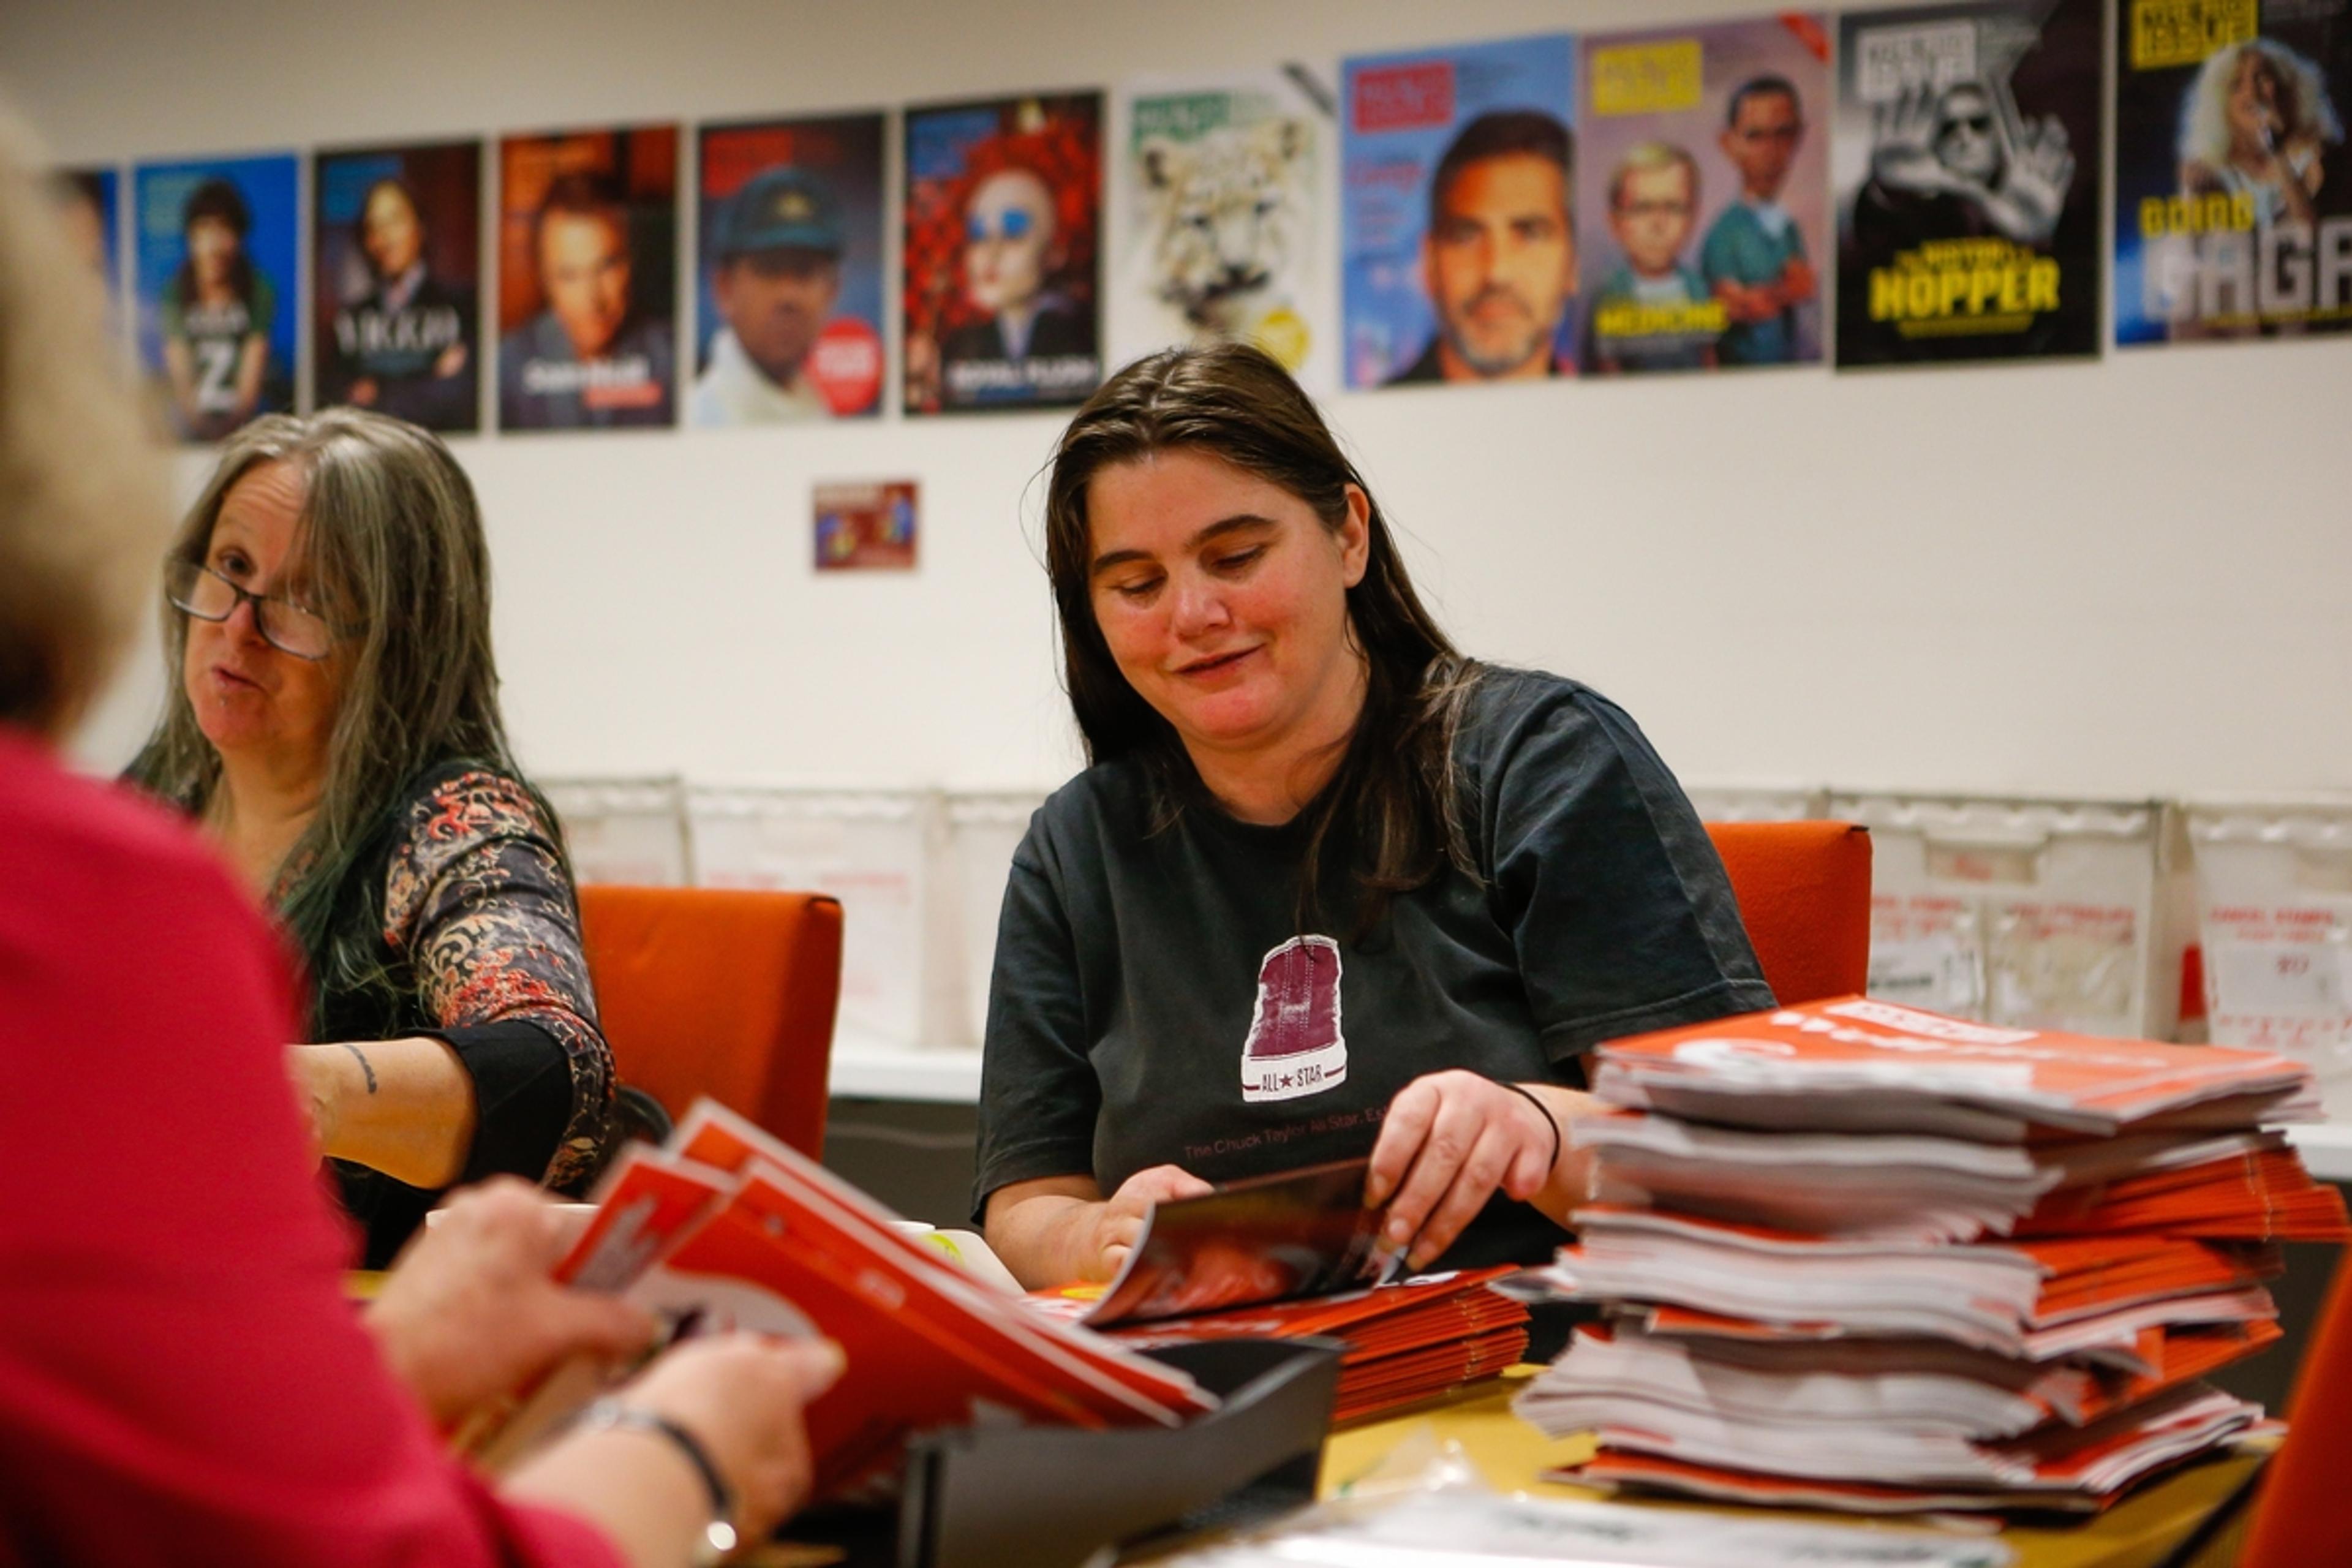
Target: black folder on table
x: 1036, y: 1497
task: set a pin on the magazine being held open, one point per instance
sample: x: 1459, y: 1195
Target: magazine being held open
x: 727, y: 1229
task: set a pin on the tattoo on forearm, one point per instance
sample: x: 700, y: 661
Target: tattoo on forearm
x: 361, y: 1056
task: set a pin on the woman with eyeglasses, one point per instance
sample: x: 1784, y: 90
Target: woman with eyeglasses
x: 333, y: 724
x: 183, y: 1376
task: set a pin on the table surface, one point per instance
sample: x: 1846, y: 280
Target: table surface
x: 2137, y: 1533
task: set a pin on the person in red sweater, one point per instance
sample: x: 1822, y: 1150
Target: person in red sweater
x: 180, y: 1377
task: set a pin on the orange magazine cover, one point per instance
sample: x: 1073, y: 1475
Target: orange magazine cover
x: 1756, y: 1068
x: 2269, y: 1196
x: 717, y: 1136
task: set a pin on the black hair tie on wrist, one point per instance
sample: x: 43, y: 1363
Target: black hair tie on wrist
x: 1524, y: 1092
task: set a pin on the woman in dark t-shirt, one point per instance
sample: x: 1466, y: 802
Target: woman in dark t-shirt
x: 1328, y: 889
x: 333, y: 723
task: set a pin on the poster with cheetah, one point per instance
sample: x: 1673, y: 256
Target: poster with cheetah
x: 1223, y: 231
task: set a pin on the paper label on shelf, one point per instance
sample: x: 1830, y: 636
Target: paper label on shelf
x: 2300, y: 979
x: 1926, y: 952
x: 2279, y: 978
x: 2064, y: 965
x: 873, y: 865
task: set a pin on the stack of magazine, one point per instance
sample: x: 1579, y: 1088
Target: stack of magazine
x: 1299, y: 1254
x: 726, y: 1229
x: 1857, y: 1256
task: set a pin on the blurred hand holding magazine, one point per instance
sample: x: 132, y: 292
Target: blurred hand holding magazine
x: 727, y: 1229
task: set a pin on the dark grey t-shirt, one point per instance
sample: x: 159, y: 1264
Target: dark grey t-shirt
x: 1155, y: 1001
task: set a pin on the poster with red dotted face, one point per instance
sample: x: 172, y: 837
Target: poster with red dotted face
x: 789, y: 289
x: 1002, y: 292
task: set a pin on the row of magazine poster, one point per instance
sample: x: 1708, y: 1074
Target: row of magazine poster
x: 1535, y: 206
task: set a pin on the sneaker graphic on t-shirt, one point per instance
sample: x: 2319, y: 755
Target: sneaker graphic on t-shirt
x: 1295, y: 1045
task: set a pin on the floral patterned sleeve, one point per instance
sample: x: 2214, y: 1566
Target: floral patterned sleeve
x: 478, y: 906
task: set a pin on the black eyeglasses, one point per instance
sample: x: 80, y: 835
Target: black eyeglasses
x: 199, y: 591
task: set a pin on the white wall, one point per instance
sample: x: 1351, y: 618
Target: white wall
x: 2129, y: 576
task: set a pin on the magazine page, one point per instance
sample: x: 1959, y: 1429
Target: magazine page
x: 1892, y: 1056
x: 1272, y: 1238
x: 1704, y: 206
x: 1133, y: 1383
x: 2233, y: 181
x: 1219, y: 191
x: 1966, y: 160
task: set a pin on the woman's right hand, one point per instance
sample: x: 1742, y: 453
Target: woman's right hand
x: 1054, y: 1231
x: 1117, y: 1220
x: 742, y: 1395
x: 740, y: 1398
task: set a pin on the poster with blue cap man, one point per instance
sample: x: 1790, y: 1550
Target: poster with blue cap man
x: 790, y: 289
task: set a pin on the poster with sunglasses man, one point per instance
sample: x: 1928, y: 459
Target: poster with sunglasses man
x: 1967, y: 160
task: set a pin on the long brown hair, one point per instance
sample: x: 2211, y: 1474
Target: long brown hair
x: 1387, y: 818
x: 391, y: 534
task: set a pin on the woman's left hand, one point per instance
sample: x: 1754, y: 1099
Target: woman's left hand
x: 1451, y: 1140
x: 470, y: 1310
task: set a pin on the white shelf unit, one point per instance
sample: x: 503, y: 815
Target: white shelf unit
x: 2326, y: 1149
x: 866, y: 1068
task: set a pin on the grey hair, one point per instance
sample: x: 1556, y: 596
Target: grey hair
x: 390, y: 535
x: 82, y: 496
x: 2204, y: 110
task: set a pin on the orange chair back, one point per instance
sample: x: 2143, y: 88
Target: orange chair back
x: 2301, y: 1517
x: 720, y: 992
x: 1804, y: 895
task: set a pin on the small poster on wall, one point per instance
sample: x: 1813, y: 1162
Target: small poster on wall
x: 396, y: 266
x: 2233, y: 180
x: 1705, y: 202
x: 1220, y: 191
x: 1003, y: 290
x: 217, y: 262
x: 866, y: 525
x: 87, y: 205
x: 789, y: 295
x: 587, y: 274
x: 1457, y: 228
x: 1967, y: 164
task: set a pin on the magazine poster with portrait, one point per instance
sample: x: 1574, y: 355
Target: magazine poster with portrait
x: 788, y: 292
x: 1003, y: 289
x: 395, y: 264
x: 1221, y: 191
x: 1703, y: 211
x: 587, y: 246
x: 1457, y: 233
x: 88, y: 204
x: 2234, y: 175
x: 1967, y: 162
x: 217, y: 255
